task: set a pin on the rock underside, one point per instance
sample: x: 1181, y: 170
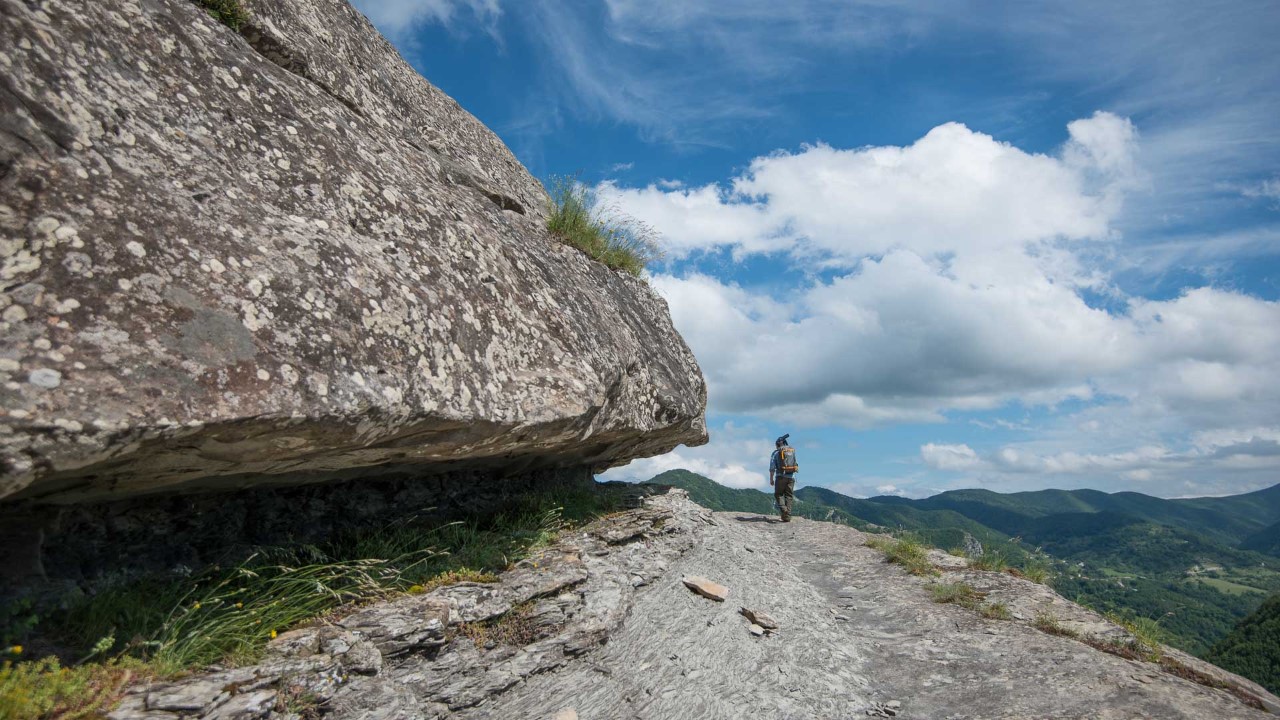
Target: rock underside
x: 610, y: 630
x: 233, y: 259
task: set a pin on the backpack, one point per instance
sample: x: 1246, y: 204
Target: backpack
x: 787, y: 460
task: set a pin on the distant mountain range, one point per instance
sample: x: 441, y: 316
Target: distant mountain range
x: 1198, y: 566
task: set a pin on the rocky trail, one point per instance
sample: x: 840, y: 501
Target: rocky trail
x: 612, y: 631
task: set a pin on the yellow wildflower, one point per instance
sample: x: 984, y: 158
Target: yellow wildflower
x: 196, y: 606
x: 16, y: 649
x: 239, y: 604
x: 273, y: 634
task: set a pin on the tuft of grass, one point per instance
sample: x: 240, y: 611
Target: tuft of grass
x: 967, y: 596
x: 228, y: 615
x: 959, y: 593
x: 1047, y: 622
x: 580, y: 219
x: 513, y: 628
x: 299, y: 702
x: 228, y: 12
x: 1148, y: 636
x: 45, y: 689
x: 1037, y: 572
x: 995, y: 611
x: 907, y: 552
x: 991, y: 561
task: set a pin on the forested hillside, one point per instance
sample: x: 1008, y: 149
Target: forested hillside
x: 1253, y: 647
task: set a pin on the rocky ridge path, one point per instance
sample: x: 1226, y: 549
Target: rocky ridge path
x: 608, y: 629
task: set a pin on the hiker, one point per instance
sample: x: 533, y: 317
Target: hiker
x: 783, y: 465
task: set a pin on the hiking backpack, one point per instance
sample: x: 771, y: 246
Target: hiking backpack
x: 787, y: 460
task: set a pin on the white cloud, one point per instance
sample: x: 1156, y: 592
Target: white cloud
x: 737, y: 456
x: 966, y: 291
x: 952, y: 188
x: 397, y: 17
x: 949, y: 457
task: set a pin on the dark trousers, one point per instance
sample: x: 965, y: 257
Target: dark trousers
x: 784, y: 493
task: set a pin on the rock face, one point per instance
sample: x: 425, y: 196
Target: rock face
x: 235, y: 259
x: 607, y: 648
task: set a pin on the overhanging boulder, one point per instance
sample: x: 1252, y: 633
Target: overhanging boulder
x: 240, y: 258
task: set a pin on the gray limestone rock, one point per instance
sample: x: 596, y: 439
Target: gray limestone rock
x: 235, y: 259
x: 608, y: 649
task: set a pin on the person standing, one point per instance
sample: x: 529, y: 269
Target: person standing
x: 782, y: 476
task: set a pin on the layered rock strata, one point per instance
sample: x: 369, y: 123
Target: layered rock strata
x: 611, y: 631
x: 232, y: 259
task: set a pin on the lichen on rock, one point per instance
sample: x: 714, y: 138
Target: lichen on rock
x: 229, y: 259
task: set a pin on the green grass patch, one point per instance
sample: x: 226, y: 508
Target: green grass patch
x: 991, y: 561
x: 1227, y: 586
x: 580, y: 219
x: 1047, y: 622
x: 228, y: 12
x: 967, y: 596
x: 958, y: 593
x: 1148, y: 636
x: 45, y: 689
x: 905, y: 551
x: 995, y: 611
x: 166, y: 625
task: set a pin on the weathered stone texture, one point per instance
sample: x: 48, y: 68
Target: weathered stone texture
x: 231, y: 259
x: 854, y: 637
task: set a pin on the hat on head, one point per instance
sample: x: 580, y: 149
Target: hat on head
x: 782, y: 440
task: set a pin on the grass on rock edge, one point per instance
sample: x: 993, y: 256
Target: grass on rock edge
x: 163, y: 626
x: 580, y: 219
x: 231, y: 13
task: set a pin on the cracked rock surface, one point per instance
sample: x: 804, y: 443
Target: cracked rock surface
x: 855, y: 637
x: 231, y: 259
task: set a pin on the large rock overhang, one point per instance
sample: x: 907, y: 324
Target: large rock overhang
x: 274, y: 255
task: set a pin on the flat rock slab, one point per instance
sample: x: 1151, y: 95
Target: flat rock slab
x: 901, y: 654
x: 707, y: 588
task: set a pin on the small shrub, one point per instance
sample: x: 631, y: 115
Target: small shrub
x: 603, y: 233
x: 907, y: 552
x: 44, y: 689
x: 228, y: 12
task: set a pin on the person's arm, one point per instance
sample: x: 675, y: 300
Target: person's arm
x: 773, y: 464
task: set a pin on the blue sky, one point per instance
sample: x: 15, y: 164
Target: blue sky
x: 944, y: 244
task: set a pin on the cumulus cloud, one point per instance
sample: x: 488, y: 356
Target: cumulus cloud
x: 949, y: 457
x: 953, y: 187
x: 1212, y: 463
x: 959, y: 280
x: 965, y: 287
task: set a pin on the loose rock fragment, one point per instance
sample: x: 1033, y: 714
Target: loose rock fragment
x: 566, y: 714
x: 706, y: 588
x: 762, y: 619
x: 756, y: 630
